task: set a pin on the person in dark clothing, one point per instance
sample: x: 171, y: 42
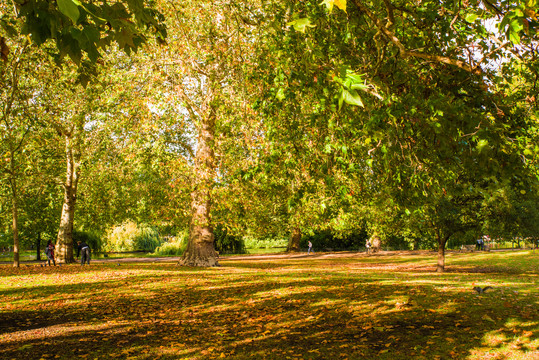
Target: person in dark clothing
x: 49, y: 251
x: 85, y: 249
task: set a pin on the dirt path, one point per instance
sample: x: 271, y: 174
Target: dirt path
x: 262, y: 257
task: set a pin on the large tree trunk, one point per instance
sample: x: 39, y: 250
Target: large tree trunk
x: 294, y: 240
x: 200, y: 249
x: 64, y: 245
x: 376, y: 243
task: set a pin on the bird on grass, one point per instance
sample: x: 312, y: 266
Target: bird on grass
x: 481, y: 290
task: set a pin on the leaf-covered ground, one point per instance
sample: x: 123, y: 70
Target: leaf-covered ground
x: 326, y: 306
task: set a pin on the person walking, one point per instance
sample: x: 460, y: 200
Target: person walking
x: 49, y: 251
x: 85, y: 249
x: 310, y: 248
x: 368, y: 246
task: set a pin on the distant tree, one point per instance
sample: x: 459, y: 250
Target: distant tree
x: 79, y: 30
x: 17, y: 119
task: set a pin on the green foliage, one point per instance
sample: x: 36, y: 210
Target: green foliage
x: 130, y: 236
x: 82, y: 29
x: 5, y: 239
x: 264, y: 243
x: 90, y: 238
x: 429, y: 147
x: 396, y: 243
x: 226, y: 243
x: 510, y: 213
x: 327, y: 239
x: 175, y: 246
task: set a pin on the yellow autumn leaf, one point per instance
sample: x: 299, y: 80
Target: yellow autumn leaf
x: 341, y: 4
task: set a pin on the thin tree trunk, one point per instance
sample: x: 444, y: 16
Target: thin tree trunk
x: 440, y: 267
x: 15, y: 228
x: 5, y: 115
x: 64, y: 245
x: 294, y: 240
x: 38, y: 247
x: 14, y: 211
x: 201, y: 249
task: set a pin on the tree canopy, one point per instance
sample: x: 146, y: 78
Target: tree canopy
x: 415, y: 119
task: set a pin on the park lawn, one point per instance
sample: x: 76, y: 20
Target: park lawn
x: 326, y: 306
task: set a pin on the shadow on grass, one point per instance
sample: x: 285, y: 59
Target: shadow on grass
x: 310, y: 309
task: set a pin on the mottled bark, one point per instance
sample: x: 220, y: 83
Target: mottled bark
x: 294, y: 240
x: 200, y: 249
x: 376, y: 244
x: 64, y: 245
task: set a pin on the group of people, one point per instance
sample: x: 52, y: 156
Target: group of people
x: 82, y: 248
x: 480, y: 243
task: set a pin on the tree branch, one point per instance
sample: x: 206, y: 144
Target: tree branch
x: 390, y: 15
x: 406, y: 53
x: 191, y: 107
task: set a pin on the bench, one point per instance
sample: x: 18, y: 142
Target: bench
x: 467, y: 248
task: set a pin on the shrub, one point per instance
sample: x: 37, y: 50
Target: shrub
x: 93, y: 240
x: 175, y: 246
x: 328, y: 240
x: 132, y: 237
x: 228, y: 244
x: 395, y: 242
x: 266, y: 243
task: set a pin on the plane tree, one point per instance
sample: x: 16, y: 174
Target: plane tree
x: 204, y: 67
x: 416, y: 84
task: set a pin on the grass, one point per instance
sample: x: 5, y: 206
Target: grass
x: 271, y: 250
x: 31, y: 255
x: 340, y: 306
